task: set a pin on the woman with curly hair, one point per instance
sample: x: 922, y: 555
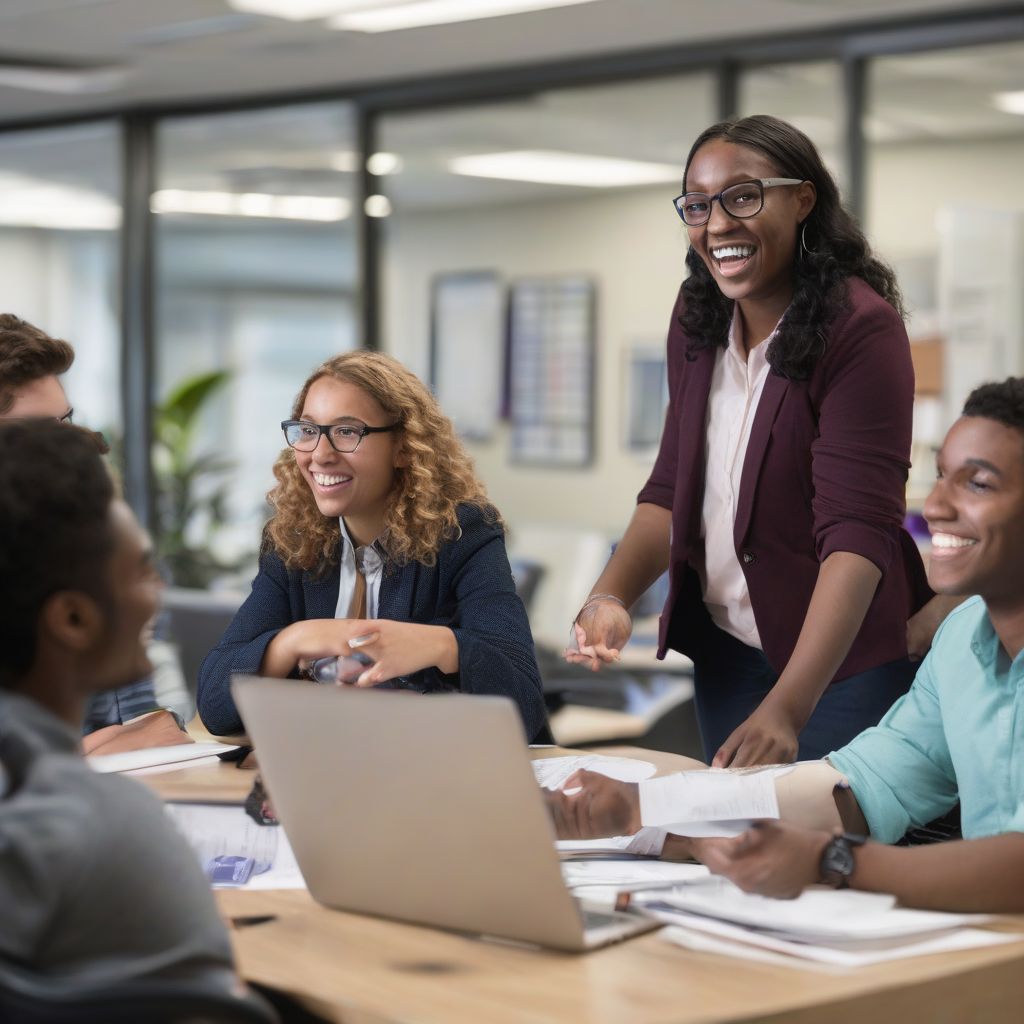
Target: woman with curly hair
x: 777, y: 498
x: 382, y: 542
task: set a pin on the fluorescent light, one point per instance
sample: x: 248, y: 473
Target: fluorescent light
x: 383, y: 163
x: 250, y: 204
x: 344, y: 160
x: 62, y: 80
x: 1010, y: 102
x: 418, y: 13
x: 299, y: 10
x: 377, y: 206
x: 28, y: 203
x: 552, y: 168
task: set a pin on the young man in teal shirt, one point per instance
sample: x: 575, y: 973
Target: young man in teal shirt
x: 957, y: 735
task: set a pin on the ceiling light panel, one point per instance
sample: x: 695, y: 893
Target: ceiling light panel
x: 552, y: 168
x: 420, y: 13
x: 250, y: 204
x: 302, y: 10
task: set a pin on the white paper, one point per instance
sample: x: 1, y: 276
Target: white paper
x: 161, y: 769
x: 701, y: 942
x: 687, y: 802
x: 629, y: 874
x: 551, y: 772
x: 129, y: 760
x: 214, y: 830
x: 942, y: 942
x: 818, y: 915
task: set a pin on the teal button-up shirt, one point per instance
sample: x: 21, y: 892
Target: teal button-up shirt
x: 958, y: 733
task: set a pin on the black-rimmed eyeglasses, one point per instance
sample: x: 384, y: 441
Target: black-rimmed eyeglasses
x: 744, y: 199
x: 304, y: 436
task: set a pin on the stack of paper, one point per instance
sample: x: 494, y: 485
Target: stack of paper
x: 152, y: 759
x: 842, y: 928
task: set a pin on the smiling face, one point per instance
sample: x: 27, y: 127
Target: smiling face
x: 357, y: 485
x: 133, y: 588
x: 976, y: 513
x: 750, y: 259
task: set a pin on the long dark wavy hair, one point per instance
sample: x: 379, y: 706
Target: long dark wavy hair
x: 836, y: 250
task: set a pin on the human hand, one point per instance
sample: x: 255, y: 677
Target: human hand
x: 768, y: 736
x: 401, y: 648
x: 302, y: 643
x: 601, y: 630
x: 773, y: 858
x: 156, y: 729
x: 591, y: 805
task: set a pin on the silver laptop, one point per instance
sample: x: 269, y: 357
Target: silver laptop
x: 424, y: 809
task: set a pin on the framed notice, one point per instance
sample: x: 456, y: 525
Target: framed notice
x: 646, y: 381
x: 467, y: 350
x: 551, y: 371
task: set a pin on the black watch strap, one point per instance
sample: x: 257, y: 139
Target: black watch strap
x: 837, y: 860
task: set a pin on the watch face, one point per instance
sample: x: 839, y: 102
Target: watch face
x: 837, y: 862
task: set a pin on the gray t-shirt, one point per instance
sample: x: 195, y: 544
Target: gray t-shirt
x: 96, y: 886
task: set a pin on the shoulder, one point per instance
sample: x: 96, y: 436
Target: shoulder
x: 477, y: 530
x: 959, y: 626
x: 864, y: 310
x: 475, y: 520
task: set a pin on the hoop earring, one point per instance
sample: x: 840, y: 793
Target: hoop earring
x: 804, y: 247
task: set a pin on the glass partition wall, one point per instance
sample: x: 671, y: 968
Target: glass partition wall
x: 562, y: 186
x: 256, y: 247
x: 264, y: 249
x: 60, y: 218
x: 945, y: 205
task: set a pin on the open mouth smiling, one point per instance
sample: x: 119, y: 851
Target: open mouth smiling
x: 329, y: 480
x: 949, y: 543
x: 730, y: 259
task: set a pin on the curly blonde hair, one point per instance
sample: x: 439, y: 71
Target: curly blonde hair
x: 434, y: 477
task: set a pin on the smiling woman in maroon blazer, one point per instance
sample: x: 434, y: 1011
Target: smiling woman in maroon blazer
x: 777, y: 498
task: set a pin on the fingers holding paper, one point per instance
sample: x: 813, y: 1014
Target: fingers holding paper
x: 591, y: 805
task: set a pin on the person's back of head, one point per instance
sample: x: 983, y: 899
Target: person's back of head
x: 30, y: 364
x: 55, y: 530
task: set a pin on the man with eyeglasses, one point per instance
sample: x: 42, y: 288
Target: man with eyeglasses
x: 31, y: 366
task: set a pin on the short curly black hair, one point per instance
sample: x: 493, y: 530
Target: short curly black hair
x: 55, y: 529
x: 1002, y: 402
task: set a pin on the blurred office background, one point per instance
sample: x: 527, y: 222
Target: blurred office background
x: 244, y: 187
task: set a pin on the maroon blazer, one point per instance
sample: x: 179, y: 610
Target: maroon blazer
x: 825, y: 470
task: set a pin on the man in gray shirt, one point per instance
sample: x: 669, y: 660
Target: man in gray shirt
x: 96, y: 886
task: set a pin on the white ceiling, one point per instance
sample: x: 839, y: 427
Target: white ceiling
x: 184, y: 51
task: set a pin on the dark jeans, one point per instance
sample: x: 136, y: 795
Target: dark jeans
x: 731, y: 679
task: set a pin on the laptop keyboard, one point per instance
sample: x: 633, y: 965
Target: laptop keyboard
x: 595, y: 919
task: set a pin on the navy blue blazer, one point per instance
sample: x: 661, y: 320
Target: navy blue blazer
x: 469, y: 589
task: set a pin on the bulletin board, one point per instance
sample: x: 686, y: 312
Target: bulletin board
x: 551, y: 371
x: 467, y: 350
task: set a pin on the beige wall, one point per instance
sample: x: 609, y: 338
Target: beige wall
x: 631, y: 245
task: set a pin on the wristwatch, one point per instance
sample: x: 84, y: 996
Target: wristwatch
x: 837, y: 861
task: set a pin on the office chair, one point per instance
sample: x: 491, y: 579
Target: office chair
x: 28, y: 999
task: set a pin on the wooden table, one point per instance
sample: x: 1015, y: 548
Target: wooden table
x: 361, y: 970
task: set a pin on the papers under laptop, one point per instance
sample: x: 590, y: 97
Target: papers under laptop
x: 423, y: 810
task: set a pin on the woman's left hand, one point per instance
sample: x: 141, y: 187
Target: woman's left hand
x: 768, y: 736
x: 401, y: 648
